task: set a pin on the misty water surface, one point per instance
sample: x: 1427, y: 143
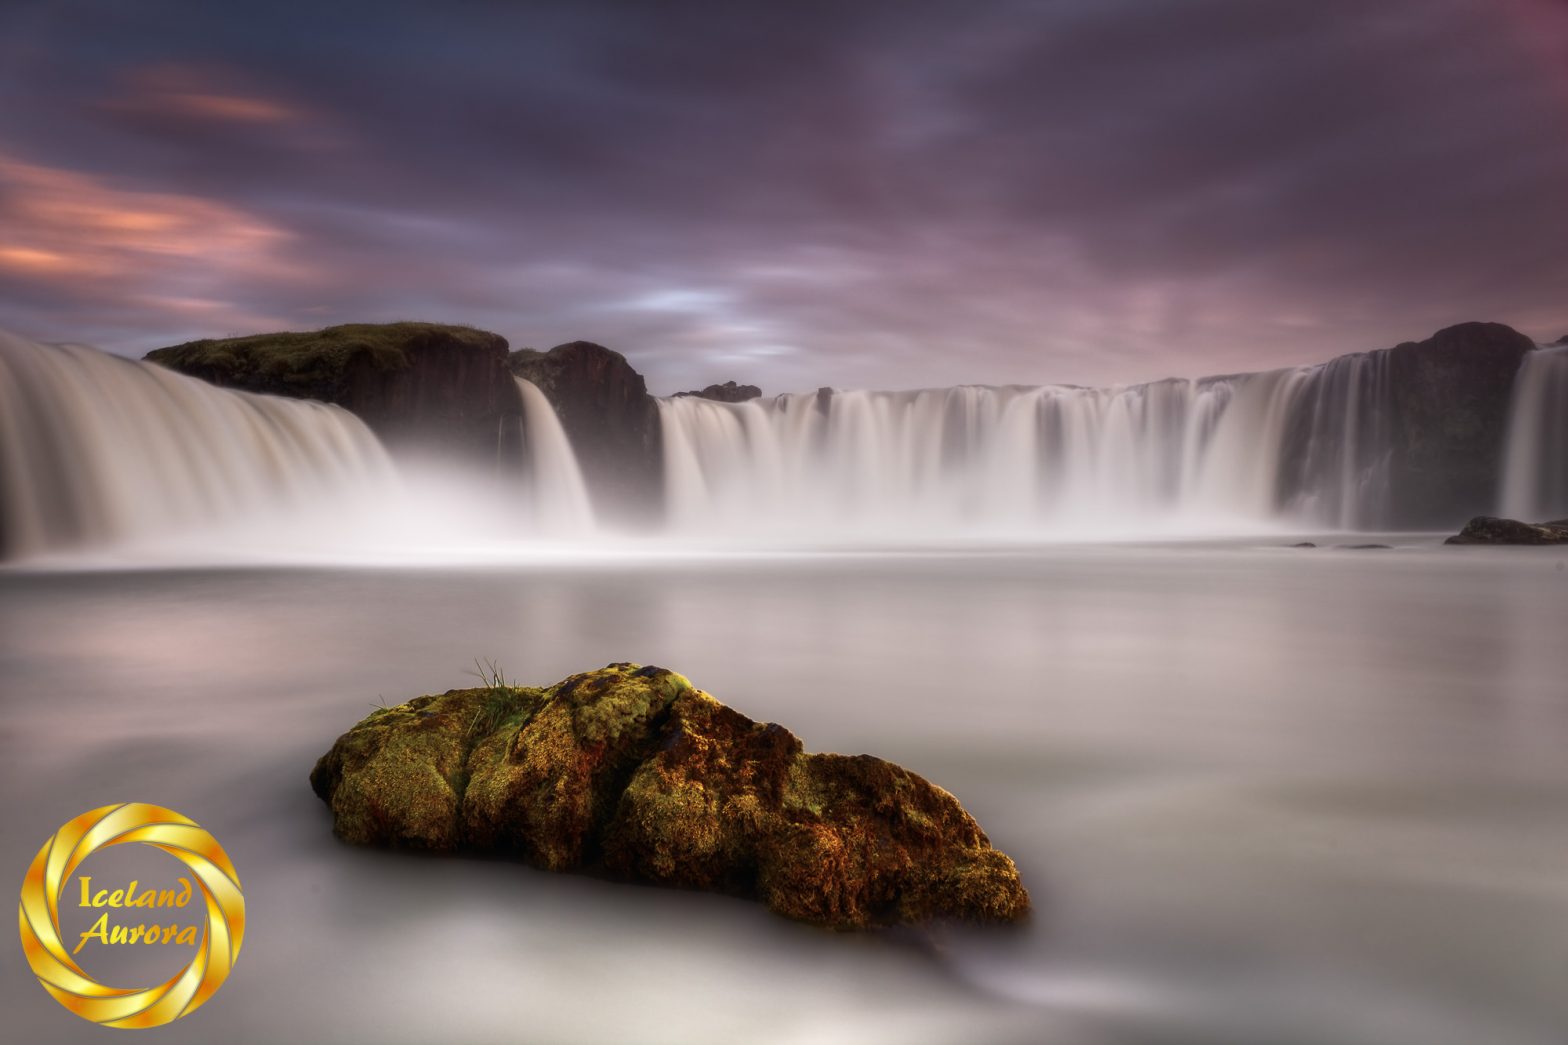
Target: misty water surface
x: 1258, y: 794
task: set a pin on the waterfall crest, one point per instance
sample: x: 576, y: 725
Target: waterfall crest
x: 558, y: 496
x: 1535, y: 475
x: 1305, y: 444
x: 95, y: 448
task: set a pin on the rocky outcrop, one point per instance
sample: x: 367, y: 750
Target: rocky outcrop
x: 1484, y: 529
x: 418, y: 385
x: 1451, y: 396
x: 611, y: 420
x: 1421, y: 426
x: 728, y: 392
x: 631, y: 772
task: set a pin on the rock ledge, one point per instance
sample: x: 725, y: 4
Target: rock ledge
x: 1484, y: 529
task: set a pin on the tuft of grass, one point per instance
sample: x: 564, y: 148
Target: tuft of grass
x: 501, y: 699
x: 489, y: 673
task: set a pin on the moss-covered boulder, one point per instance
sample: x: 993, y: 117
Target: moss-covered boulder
x: 631, y: 772
x: 417, y: 385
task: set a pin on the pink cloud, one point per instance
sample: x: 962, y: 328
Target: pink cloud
x: 68, y: 229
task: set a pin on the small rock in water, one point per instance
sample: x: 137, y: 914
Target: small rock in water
x: 1362, y: 547
x: 631, y: 772
x: 1304, y: 544
x: 1485, y: 529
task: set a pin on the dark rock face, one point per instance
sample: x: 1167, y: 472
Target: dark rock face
x: 1450, y: 418
x: 1424, y: 425
x: 610, y: 418
x: 415, y: 384
x: 728, y: 392
x: 631, y: 772
x: 1484, y: 529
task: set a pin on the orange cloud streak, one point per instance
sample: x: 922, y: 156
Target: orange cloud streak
x: 228, y: 107
x: 59, y: 221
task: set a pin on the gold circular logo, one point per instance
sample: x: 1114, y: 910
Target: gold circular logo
x: 181, y: 838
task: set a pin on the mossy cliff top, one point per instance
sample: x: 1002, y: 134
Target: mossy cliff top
x: 631, y: 772
x: 314, y: 363
x: 425, y: 386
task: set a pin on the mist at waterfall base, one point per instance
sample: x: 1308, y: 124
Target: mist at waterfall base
x: 1259, y: 794
x: 99, y: 452
x: 106, y: 460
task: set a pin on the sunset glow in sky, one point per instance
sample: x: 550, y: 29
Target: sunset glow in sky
x: 879, y: 194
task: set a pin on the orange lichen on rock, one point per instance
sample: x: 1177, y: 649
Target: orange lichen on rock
x: 632, y: 772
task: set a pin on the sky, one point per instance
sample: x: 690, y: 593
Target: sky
x: 855, y: 193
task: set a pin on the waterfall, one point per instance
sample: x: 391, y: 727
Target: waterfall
x: 558, y: 497
x: 1306, y: 444
x: 96, y: 448
x: 1535, y: 474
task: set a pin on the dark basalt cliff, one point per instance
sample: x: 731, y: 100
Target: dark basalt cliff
x: 417, y: 385
x: 1430, y: 422
x: 1451, y: 396
x: 633, y: 773
x: 449, y: 388
x: 611, y: 420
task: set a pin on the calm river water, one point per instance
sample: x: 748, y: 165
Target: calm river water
x: 1260, y: 795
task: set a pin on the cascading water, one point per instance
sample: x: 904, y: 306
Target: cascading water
x: 95, y: 448
x: 1535, y: 477
x: 1305, y: 444
x: 558, y: 497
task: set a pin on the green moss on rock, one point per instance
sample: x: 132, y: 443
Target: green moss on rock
x: 423, y: 385
x: 398, y: 778
x: 631, y: 772
x: 310, y: 363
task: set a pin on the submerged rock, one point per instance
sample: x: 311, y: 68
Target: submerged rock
x: 631, y: 772
x: 1484, y: 529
